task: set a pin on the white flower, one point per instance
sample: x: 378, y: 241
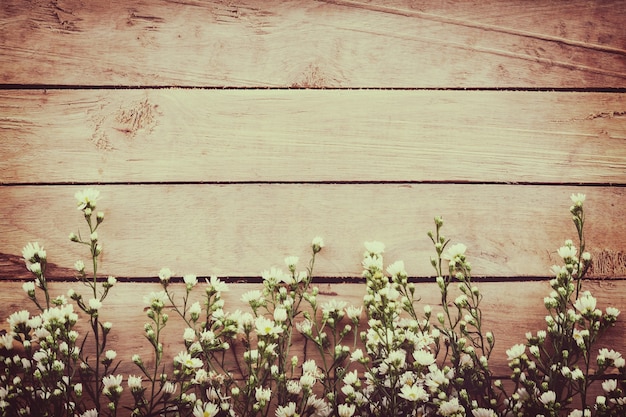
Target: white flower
x: 189, y: 335
x: 19, y: 318
x: 372, y: 262
x: 567, y: 252
x: 455, y: 251
x: 110, y: 354
x: 578, y: 199
x: 483, y: 412
x: 79, y: 265
x: 397, y: 358
x: 35, y: 268
x: 155, y: 299
x: 90, y: 413
x: 461, y: 300
x: 288, y: 410
x: 185, y: 359
x: 577, y: 375
x: 320, y: 407
x: 280, y: 314
x: 354, y: 313
x: 612, y: 312
x: 333, y: 306
x: 112, y: 384
x: 317, y: 244
x: 586, y: 303
x: 201, y: 377
x: 397, y: 269
x: 310, y: 367
x: 263, y: 394
x: 307, y: 380
x: 265, y: 326
x: 6, y: 341
x: 515, y: 351
x: 32, y: 252
x: 190, y: 280
x: 423, y: 357
x: 435, y: 378
x: 195, y: 309
x: 252, y: 296
x: 87, y: 198
x: 413, y: 393
x: 291, y: 261
x: 169, y: 388
x: 351, y: 378
x: 216, y: 284
x: 134, y: 383
x: 356, y: 355
x: 294, y: 387
x: 345, y: 410
x: 548, y: 397
x: 28, y: 287
x: 374, y: 248
x: 165, y: 274
x: 451, y: 407
x: 205, y: 410
x: 609, y: 385
x: 94, y: 304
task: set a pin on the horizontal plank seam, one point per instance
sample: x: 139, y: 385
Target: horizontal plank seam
x: 315, y: 182
x: 37, y: 87
x: 321, y: 280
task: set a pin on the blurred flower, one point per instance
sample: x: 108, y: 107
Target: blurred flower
x: 164, y: 275
x: 413, y: 393
x: 515, y: 352
x: 585, y: 303
x: 455, y: 252
x: 548, y: 397
x: 317, y: 244
x: 578, y: 199
x: 32, y: 252
x: 567, y: 252
x: 205, y: 410
x: 374, y: 248
x: 346, y: 410
x: 87, y: 198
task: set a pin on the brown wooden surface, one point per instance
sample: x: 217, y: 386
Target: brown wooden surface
x: 312, y: 135
x: 302, y: 43
x: 509, y: 311
x: 243, y: 229
x: 229, y: 182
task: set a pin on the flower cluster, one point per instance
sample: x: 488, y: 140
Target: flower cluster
x: 48, y: 368
x: 292, y: 354
x: 557, y: 366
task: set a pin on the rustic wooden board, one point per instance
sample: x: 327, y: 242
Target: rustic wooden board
x: 243, y: 229
x: 311, y: 136
x: 522, y: 302
x: 302, y: 43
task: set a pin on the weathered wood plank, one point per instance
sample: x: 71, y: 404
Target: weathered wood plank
x: 386, y: 43
x: 509, y: 311
x: 311, y: 135
x: 243, y: 229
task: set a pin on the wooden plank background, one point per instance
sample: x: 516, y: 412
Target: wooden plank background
x: 223, y: 136
x: 333, y: 43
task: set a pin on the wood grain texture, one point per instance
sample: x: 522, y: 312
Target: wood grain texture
x: 522, y: 302
x: 298, y: 43
x: 311, y: 136
x: 239, y: 230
